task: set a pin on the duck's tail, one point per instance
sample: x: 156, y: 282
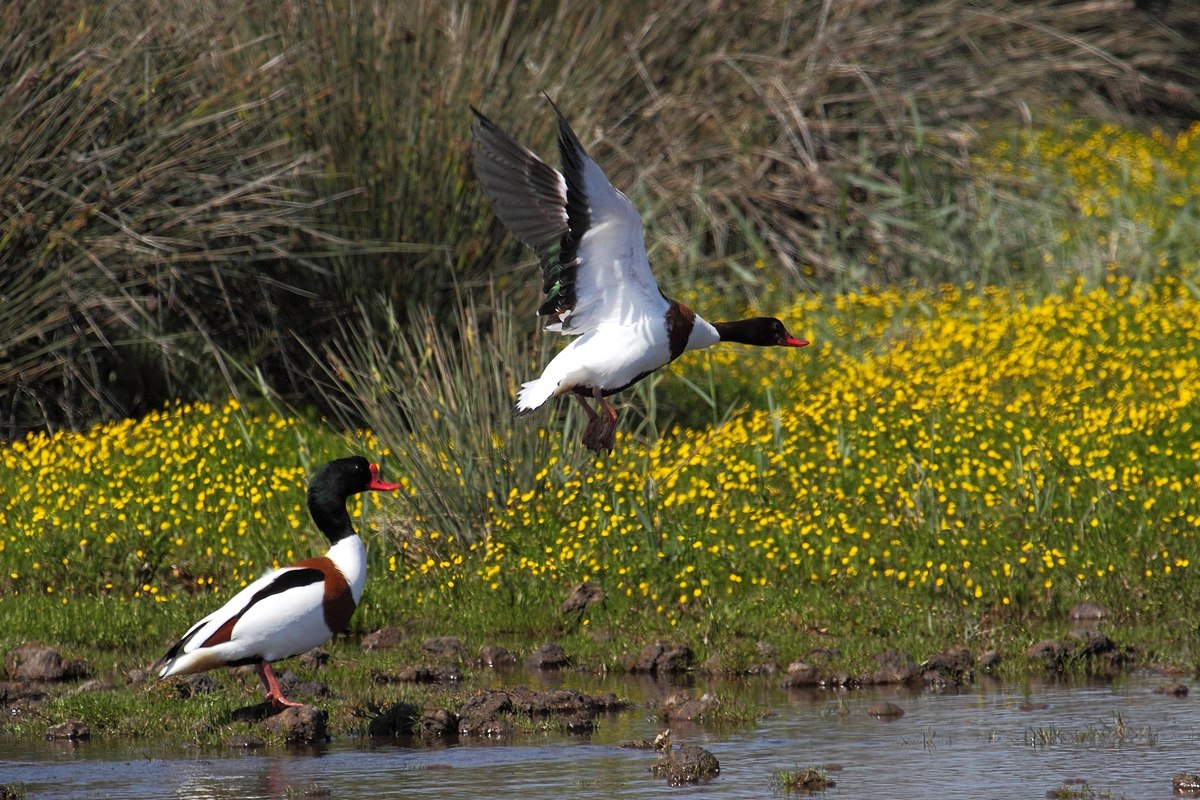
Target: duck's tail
x: 533, y: 395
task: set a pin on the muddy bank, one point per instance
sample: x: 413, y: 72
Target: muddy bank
x: 446, y: 691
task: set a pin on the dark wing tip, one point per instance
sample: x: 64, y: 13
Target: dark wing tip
x: 570, y: 148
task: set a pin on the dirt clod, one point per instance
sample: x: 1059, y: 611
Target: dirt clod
x: 445, y: 648
x: 1186, y: 784
x: 688, y: 764
x: 885, y: 711
x: 34, y: 662
x: 72, y: 729
x: 386, y: 638
x: 683, y: 705
x: 548, y: 656
x: 661, y: 658
x: 489, y: 713
x: 300, y: 724
x: 583, y: 595
x: 802, y: 674
x: 495, y: 657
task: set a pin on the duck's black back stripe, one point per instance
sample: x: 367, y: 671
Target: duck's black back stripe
x: 292, y: 579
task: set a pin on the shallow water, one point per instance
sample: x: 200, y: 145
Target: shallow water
x: 1120, y: 737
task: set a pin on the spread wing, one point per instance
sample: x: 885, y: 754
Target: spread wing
x: 587, y: 235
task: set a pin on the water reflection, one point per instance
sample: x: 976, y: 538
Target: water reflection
x: 984, y: 741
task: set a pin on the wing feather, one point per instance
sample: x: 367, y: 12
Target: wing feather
x: 587, y: 235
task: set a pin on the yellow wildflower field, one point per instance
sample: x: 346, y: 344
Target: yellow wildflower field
x: 975, y: 448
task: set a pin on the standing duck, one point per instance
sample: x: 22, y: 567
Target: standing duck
x: 293, y: 609
x: 596, y: 277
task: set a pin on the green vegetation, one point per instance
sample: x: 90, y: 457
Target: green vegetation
x: 800, y: 779
x: 997, y: 422
x: 1080, y: 790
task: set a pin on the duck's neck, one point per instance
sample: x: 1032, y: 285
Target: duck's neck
x: 739, y: 331
x: 331, y: 518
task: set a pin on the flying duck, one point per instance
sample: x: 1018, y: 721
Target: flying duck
x: 293, y: 609
x: 596, y: 278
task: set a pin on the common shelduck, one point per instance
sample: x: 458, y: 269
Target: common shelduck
x: 290, y: 610
x: 596, y: 277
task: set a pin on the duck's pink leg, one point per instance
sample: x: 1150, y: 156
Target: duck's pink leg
x: 274, y: 694
x: 600, y: 435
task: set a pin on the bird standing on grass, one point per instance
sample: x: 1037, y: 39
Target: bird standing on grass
x: 293, y: 609
x: 596, y: 277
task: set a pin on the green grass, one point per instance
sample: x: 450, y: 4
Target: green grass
x: 800, y: 779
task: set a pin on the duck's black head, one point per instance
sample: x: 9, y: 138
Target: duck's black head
x: 760, y: 331
x: 333, y: 484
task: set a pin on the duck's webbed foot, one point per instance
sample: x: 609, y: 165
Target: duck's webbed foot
x: 601, y: 432
x: 271, y: 684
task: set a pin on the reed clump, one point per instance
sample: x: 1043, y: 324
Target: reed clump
x: 194, y: 196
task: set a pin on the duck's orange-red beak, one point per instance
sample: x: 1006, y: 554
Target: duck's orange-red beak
x: 380, y: 485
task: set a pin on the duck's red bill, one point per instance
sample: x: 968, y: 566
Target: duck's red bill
x: 792, y: 341
x: 380, y: 485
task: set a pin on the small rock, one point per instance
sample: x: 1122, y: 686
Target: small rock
x: 583, y: 595
x: 316, y: 658
x: 638, y: 744
x: 422, y: 674
x: 489, y: 712
x: 385, y: 638
x: 1052, y: 653
x: 893, y: 667
x: 399, y: 719
x: 548, y: 656
x: 486, y: 727
x: 137, y: 677
x: 34, y: 662
x: 300, y: 724
x: 1092, y: 642
x: 73, y: 729
x: 802, y: 674
x: 496, y: 657
x: 688, y: 764
x: 662, y: 658
x: 808, y: 779
x: 192, y: 685
x: 438, y: 723
x: 581, y: 721
x: 1088, y: 610
x: 955, y: 665
x: 1186, y: 784
x: 990, y: 660
x: 445, y: 648
x: 485, y: 704
x: 244, y: 742
x: 885, y: 710
x: 683, y: 705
